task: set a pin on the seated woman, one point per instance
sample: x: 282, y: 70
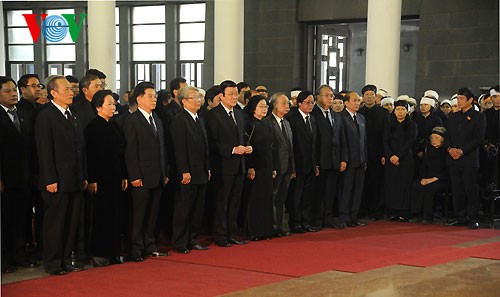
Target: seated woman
x: 433, y: 177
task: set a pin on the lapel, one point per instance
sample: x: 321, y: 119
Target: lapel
x: 4, y: 117
x: 146, y: 124
x: 350, y: 122
x: 62, y: 120
x: 307, y: 130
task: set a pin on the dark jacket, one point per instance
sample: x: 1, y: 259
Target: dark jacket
x: 331, y: 148
x: 282, y: 150
x: 304, y: 143
x: 356, y: 141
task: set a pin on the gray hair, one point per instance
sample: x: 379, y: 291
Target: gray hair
x: 184, y: 92
x: 274, y: 98
x: 318, y: 91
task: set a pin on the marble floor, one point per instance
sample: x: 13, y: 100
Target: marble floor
x: 472, y: 277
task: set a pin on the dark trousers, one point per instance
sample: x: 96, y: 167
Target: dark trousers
x: 352, y: 191
x: 188, y: 211
x: 465, y: 192
x: 422, y: 200
x: 280, y: 192
x: 145, y: 205
x: 14, y: 204
x: 227, y: 205
x: 373, y: 200
x: 326, y: 195
x: 62, y: 212
x: 84, y: 226
x: 302, y: 196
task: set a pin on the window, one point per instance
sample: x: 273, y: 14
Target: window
x: 60, y: 55
x: 20, y: 48
x: 192, y: 42
x: 148, y: 44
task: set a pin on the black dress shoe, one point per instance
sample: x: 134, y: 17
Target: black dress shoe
x: 474, y: 225
x: 255, y: 238
x: 359, y: 223
x: 57, y: 272
x: 182, y: 251
x: 29, y: 264
x: 283, y: 234
x: 393, y: 218
x: 223, y: 244
x: 136, y: 259
x: 298, y: 230
x: 426, y: 222
x: 310, y: 229
x: 237, y: 242
x: 73, y: 268
x: 454, y: 222
x: 158, y: 254
x: 351, y: 224
x: 199, y: 247
x: 115, y: 261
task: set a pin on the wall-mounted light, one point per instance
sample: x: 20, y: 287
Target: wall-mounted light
x: 359, y: 51
x: 407, y: 47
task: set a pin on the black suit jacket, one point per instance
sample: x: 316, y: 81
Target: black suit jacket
x: 304, y: 143
x: 223, y: 136
x: 282, y: 151
x: 16, y: 150
x: 84, y: 111
x: 145, y: 154
x: 61, y: 150
x: 190, y: 147
x: 465, y: 131
x: 356, y: 141
x: 331, y: 148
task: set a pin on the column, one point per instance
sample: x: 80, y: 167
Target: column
x: 2, y: 41
x: 228, y: 40
x: 102, y: 39
x: 382, y: 44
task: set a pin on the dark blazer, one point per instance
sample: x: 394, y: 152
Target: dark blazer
x: 61, y: 150
x: 84, y: 111
x: 304, y: 143
x: 376, y: 119
x: 282, y: 151
x: 145, y: 154
x: 466, y: 132
x: 356, y: 141
x: 223, y: 136
x: 105, y: 151
x: 331, y: 148
x: 190, y: 147
x: 16, y: 150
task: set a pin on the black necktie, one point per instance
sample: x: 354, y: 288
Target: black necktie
x: 232, y: 117
x: 152, y: 124
x: 328, y: 118
x: 68, y: 116
x: 283, y: 130
x: 308, y: 123
x: 355, y: 122
x: 16, y: 121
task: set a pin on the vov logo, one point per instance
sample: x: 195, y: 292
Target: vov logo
x: 54, y: 27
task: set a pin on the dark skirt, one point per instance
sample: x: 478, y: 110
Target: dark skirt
x: 260, y: 204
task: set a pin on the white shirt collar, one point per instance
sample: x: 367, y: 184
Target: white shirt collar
x: 225, y: 108
x: 6, y: 109
x: 145, y: 114
x: 61, y: 109
x: 303, y: 114
x: 352, y: 114
x: 277, y: 118
x: 193, y: 115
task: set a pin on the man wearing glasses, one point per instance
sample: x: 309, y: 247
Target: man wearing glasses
x: 30, y: 90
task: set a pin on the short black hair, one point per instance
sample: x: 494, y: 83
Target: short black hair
x: 141, y: 87
x: 212, y: 92
x: 303, y: 96
x: 162, y: 95
x: 85, y: 81
x: 467, y: 92
x: 115, y: 96
x: 5, y: 79
x: 226, y: 84
x: 242, y: 85
x: 369, y: 88
x: 175, y: 84
x: 96, y: 72
x: 98, y: 99
x: 72, y: 79
x: 252, y: 104
x: 23, y: 80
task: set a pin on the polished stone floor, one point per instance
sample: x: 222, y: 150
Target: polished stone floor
x: 470, y: 277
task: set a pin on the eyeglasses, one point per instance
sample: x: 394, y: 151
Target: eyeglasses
x: 327, y: 95
x: 261, y: 90
x: 36, y: 86
x: 263, y: 106
x: 309, y: 102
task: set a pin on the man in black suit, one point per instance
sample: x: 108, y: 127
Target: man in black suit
x: 30, y: 90
x: 191, y: 155
x: 304, y: 131
x: 283, y: 157
x: 464, y: 135
x: 352, y: 185
x: 146, y: 160
x: 63, y: 175
x: 373, y: 201
x: 226, y: 127
x: 331, y: 157
x: 16, y: 137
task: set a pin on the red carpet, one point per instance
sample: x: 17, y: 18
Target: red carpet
x: 223, y: 270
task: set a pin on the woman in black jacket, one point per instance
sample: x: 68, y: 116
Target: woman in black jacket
x: 399, y: 139
x: 106, y: 176
x: 433, y: 176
